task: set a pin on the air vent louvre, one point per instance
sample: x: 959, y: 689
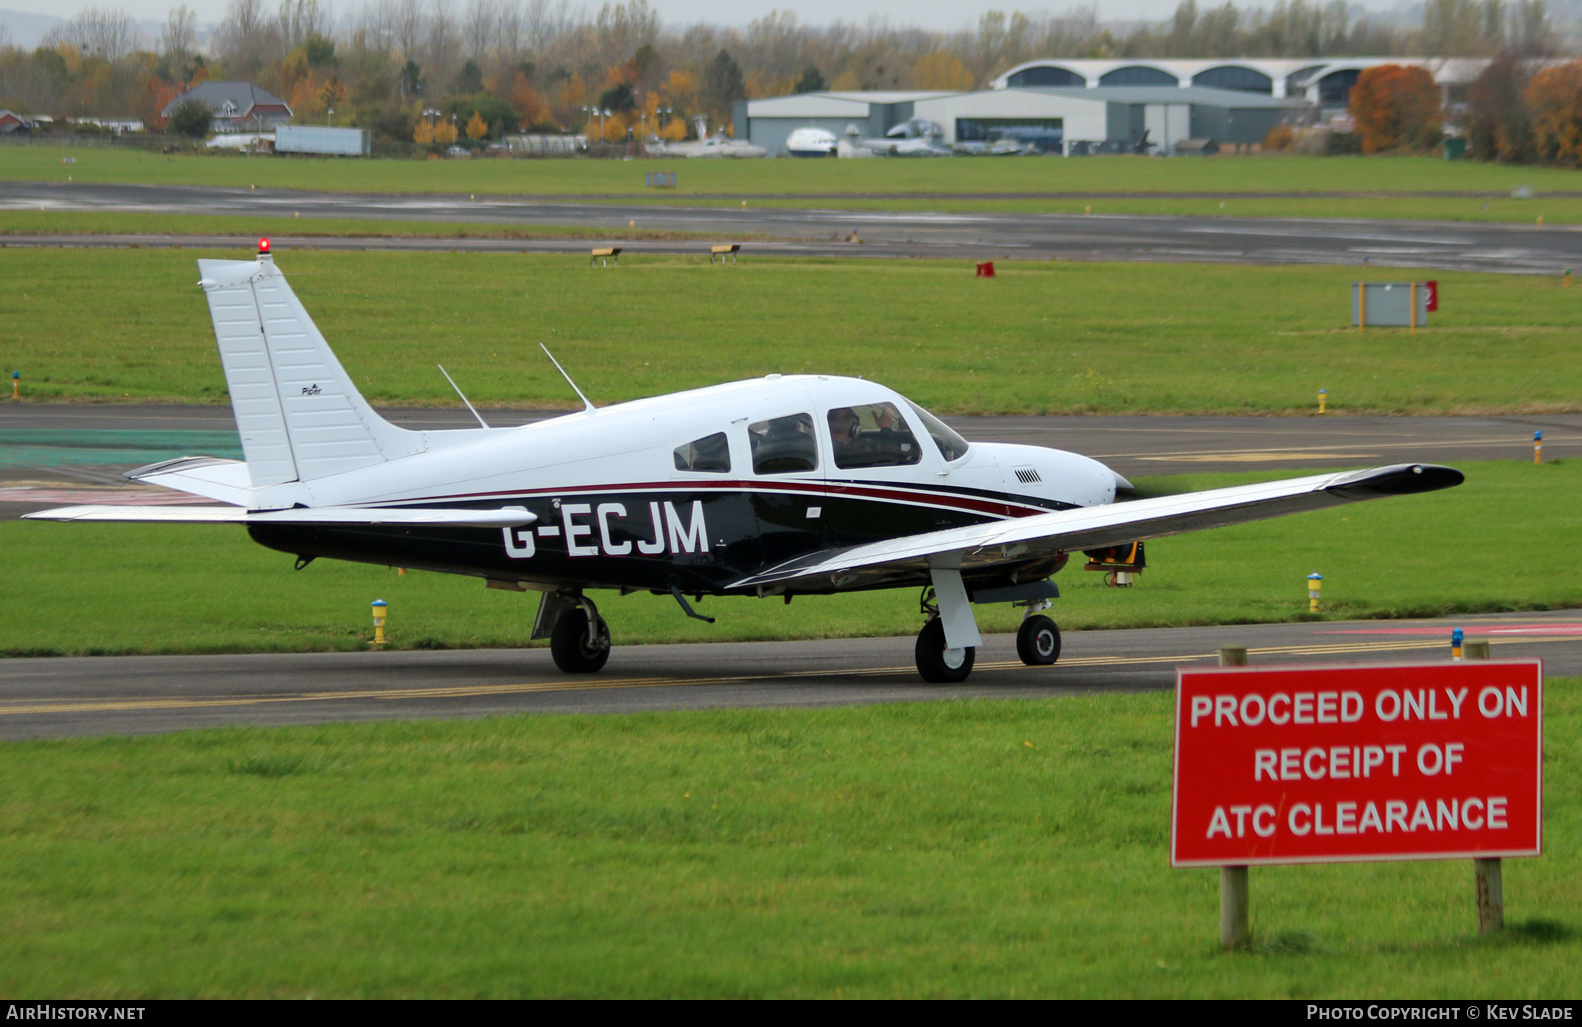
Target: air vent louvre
x: 1027, y: 476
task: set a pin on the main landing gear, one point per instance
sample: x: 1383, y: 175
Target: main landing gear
x: 939, y: 663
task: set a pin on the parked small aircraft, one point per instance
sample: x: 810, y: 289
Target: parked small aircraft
x: 778, y: 486
x: 917, y: 137
x: 716, y: 146
x: 811, y: 142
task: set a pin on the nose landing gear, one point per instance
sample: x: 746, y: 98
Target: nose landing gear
x: 1038, y: 641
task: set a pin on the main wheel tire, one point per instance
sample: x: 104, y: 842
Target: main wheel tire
x: 933, y: 662
x: 569, y: 645
x: 1038, y: 641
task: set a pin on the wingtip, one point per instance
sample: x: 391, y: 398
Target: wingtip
x: 1399, y: 480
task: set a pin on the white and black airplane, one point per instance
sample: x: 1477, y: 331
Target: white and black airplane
x: 780, y: 486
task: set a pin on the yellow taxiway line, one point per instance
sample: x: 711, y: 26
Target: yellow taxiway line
x: 36, y: 708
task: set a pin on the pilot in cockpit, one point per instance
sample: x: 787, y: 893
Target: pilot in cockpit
x: 887, y: 443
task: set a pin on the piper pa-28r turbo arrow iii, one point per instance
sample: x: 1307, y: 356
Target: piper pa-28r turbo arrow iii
x: 781, y: 486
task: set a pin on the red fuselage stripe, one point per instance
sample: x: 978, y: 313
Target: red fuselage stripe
x: 1006, y: 508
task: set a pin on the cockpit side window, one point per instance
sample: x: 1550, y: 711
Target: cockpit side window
x: 951, y: 446
x: 872, y: 435
x: 783, y: 445
x: 710, y: 453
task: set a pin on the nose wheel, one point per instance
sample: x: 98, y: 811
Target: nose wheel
x: 938, y: 664
x: 580, y: 642
x: 1038, y: 641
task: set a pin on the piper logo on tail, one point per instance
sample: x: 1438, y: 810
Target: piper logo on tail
x: 589, y: 531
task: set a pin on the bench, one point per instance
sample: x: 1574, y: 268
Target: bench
x: 608, y: 254
x: 730, y: 249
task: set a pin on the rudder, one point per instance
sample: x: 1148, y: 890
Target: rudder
x: 299, y: 415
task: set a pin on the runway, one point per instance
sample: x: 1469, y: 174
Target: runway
x: 1461, y: 246
x: 42, y: 698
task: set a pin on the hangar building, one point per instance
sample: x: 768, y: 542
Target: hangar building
x: 1324, y: 82
x: 768, y: 123
x: 1074, y: 120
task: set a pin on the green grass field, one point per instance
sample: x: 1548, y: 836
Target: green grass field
x: 1285, y: 186
x: 1043, y: 337
x: 92, y: 589
x: 1008, y: 848
x: 1214, y: 176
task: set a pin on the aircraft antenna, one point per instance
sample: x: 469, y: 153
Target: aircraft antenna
x: 459, y: 392
x: 585, y: 403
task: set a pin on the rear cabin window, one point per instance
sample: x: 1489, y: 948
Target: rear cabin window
x: 783, y: 445
x: 874, y: 435
x: 710, y: 453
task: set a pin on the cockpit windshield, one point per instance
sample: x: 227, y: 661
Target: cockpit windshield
x: 951, y: 446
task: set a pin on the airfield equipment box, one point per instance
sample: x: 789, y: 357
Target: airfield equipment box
x: 1391, y: 304
x: 345, y: 142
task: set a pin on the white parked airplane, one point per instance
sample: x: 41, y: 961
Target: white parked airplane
x: 811, y: 142
x: 917, y: 137
x: 779, y: 486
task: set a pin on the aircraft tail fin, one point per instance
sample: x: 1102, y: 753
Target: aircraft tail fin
x: 299, y: 415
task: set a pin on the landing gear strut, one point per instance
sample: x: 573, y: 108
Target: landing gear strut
x: 580, y: 640
x: 937, y: 662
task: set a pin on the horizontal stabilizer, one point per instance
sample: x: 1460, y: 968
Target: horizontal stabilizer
x: 981, y: 546
x: 450, y: 517
x: 225, y: 480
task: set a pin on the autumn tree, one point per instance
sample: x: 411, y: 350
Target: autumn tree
x: 476, y: 128
x: 1555, y: 98
x: 1499, y: 125
x: 941, y: 70
x: 1396, y: 107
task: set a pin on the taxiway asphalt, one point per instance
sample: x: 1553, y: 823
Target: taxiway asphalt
x: 1132, y: 445
x: 1463, y: 246
x: 145, y: 694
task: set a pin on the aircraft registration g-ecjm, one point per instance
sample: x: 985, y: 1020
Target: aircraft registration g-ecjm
x: 780, y: 486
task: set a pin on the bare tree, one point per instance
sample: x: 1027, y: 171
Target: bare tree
x: 100, y: 33
x: 180, y: 35
x: 248, y: 40
x: 301, y: 19
x: 477, y: 28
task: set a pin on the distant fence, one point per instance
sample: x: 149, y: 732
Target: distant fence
x: 95, y: 142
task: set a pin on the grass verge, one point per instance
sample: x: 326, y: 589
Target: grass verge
x: 1042, y: 337
x: 1494, y: 543
x: 13, y: 222
x: 1012, y: 848
x: 812, y: 182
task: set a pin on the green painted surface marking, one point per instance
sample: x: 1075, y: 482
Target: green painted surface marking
x: 30, y: 447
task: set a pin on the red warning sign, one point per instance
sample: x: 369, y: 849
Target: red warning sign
x: 1312, y: 765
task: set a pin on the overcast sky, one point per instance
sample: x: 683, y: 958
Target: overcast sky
x: 934, y: 14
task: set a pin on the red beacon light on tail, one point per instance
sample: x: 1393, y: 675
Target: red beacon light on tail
x: 263, y: 247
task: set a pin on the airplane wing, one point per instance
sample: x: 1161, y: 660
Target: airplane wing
x: 1023, y: 539
x: 451, y: 517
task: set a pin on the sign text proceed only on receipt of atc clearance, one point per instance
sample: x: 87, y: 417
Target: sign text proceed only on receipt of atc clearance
x: 1332, y: 764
